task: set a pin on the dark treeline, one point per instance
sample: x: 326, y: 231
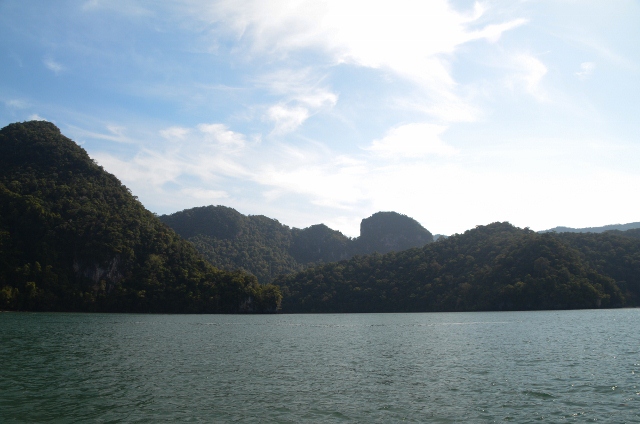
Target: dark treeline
x: 73, y: 238
x: 267, y: 248
x: 493, y: 267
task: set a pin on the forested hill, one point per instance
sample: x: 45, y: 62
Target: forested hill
x: 73, y: 238
x: 493, y: 267
x: 614, y: 227
x: 267, y: 248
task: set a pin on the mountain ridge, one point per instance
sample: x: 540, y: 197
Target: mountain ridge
x: 73, y: 238
x: 492, y: 267
x: 602, y: 229
x: 266, y: 248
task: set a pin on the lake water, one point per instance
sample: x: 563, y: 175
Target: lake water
x: 567, y: 366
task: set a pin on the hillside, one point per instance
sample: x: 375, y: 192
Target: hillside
x: 230, y: 240
x: 267, y: 248
x: 493, y: 267
x: 73, y: 238
x: 613, y: 227
x: 385, y: 232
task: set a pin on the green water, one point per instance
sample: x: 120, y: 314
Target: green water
x: 569, y: 366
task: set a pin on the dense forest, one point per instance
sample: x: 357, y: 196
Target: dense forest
x: 73, y: 238
x: 267, y: 248
x: 613, y: 227
x: 493, y: 267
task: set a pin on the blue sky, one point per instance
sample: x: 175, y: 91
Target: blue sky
x: 456, y: 113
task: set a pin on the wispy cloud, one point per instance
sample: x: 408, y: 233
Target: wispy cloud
x: 411, y: 39
x: 209, y: 196
x: 287, y: 118
x: 222, y: 137
x: 115, y: 133
x: 36, y: 117
x: 125, y: 7
x: 586, y: 69
x: 330, y: 110
x: 412, y: 140
x: 175, y: 133
x: 17, y: 104
x: 210, y: 164
x: 206, y: 152
x: 303, y: 93
x: 53, y: 66
x: 527, y: 72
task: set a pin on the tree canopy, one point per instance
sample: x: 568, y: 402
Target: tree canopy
x: 267, y: 248
x: 73, y: 238
x: 493, y: 267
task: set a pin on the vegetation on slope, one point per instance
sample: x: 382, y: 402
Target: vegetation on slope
x: 266, y: 248
x: 73, y: 238
x: 613, y: 227
x: 230, y: 240
x: 613, y: 253
x: 493, y: 267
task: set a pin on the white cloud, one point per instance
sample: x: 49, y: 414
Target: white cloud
x: 286, y: 118
x: 206, y: 152
x: 36, y: 117
x: 125, y: 7
x: 493, y: 32
x: 303, y: 97
x: 147, y: 169
x: 318, y: 98
x: 586, y: 69
x: 322, y: 182
x: 173, y: 133
x: 115, y: 133
x: 52, y: 65
x: 412, y: 140
x: 220, y: 135
x: 412, y: 39
x: 309, y: 183
x: 17, y: 104
x: 205, y: 195
x: 527, y: 73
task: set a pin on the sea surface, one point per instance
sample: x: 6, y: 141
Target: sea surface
x: 552, y: 366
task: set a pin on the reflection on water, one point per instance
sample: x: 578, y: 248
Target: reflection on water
x: 568, y: 366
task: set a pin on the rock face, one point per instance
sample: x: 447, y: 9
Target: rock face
x: 384, y: 232
x: 109, y: 275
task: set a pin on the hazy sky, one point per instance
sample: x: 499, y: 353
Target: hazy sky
x: 456, y: 113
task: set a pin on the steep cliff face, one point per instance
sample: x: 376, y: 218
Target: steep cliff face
x: 104, y: 276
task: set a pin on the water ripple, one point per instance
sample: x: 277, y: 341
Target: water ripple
x: 521, y: 367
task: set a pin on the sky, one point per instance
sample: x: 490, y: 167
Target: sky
x: 455, y: 113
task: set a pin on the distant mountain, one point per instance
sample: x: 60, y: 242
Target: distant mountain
x: 634, y: 233
x: 618, y: 227
x: 493, y: 267
x: 385, y: 232
x: 73, y: 238
x: 231, y: 240
x: 267, y: 248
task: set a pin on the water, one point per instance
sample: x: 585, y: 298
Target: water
x: 568, y: 366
